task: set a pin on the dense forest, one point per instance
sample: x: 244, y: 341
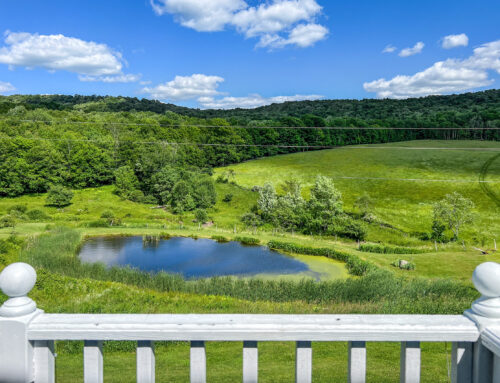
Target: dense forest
x: 80, y: 141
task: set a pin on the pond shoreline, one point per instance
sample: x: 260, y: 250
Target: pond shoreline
x: 243, y: 261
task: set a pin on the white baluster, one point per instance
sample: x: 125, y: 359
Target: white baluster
x: 303, y: 362
x: 461, y: 362
x: 250, y: 362
x: 410, y: 362
x: 92, y: 362
x: 198, y: 362
x: 45, y: 371
x: 357, y: 362
x: 145, y: 362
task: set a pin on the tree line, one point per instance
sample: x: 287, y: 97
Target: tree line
x: 81, y: 141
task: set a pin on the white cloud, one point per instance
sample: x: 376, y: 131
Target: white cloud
x: 203, y: 88
x: 417, y: 48
x: 200, y: 15
x: 453, y: 41
x: 185, y: 88
x: 251, y: 101
x: 389, y: 49
x: 276, y: 23
x: 58, y: 52
x: 302, y: 36
x: 6, y: 87
x: 112, y: 79
x: 449, y: 76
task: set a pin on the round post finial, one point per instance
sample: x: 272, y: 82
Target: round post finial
x: 486, y: 279
x: 16, y: 281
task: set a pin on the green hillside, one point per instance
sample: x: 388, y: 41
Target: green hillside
x: 403, y: 179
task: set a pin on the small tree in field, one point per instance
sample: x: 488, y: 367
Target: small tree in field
x: 364, y: 204
x: 126, y: 181
x: 454, y: 211
x: 201, y: 216
x: 59, y: 196
x: 267, y: 201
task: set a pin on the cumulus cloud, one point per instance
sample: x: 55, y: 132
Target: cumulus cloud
x: 276, y: 23
x: 453, y: 41
x: 389, y: 49
x: 92, y: 61
x: 251, y: 101
x: 417, y: 48
x: 204, y: 90
x: 6, y: 87
x: 449, y: 76
x: 185, y: 88
x: 58, y: 52
x: 112, y: 79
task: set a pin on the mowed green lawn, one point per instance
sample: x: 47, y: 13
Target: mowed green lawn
x: 404, y: 179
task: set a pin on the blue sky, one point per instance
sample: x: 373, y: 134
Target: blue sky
x: 228, y: 53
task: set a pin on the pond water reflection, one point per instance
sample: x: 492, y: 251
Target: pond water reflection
x: 191, y: 258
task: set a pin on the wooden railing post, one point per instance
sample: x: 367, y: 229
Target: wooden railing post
x: 16, y: 351
x: 485, y: 312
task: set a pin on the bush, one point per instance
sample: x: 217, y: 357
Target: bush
x: 59, y: 196
x: 228, y: 197
x: 107, y: 214
x: 201, y: 216
x: 222, y: 180
x: 37, y: 215
x: 248, y: 241
x: 251, y: 219
x: 7, y: 221
x: 220, y: 238
x: 380, y: 249
x: 355, y: 265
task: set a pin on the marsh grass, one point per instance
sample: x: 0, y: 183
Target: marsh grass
x: 57, y: 252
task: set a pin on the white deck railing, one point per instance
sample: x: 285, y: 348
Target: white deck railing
x: 27, y: 335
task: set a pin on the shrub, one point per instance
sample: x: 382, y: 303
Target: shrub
x: 228, y: 197
x: 221, y: 179
x: 355, y: 265
x: 220, y: 238
x: 201, y: 215
x: 251, y: 219
x: 248, y: 240
x: 7, y: 221
x: 380, y: 249
x: 136, y: 196
x: 37, y: 215
x: 107, y: 214
x: 59, y: 196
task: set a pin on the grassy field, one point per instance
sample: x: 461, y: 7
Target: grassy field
x: 404, y: 179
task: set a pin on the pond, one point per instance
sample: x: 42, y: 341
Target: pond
x: 195, y: 258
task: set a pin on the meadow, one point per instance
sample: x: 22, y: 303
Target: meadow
x: 439, y: 284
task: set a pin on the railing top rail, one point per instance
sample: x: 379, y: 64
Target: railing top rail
x: 209, y: 327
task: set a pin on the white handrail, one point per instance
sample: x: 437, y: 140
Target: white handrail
x: 234, y: 327
x: 27, y: 335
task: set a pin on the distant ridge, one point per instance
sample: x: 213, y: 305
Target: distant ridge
x: 365, y: 109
